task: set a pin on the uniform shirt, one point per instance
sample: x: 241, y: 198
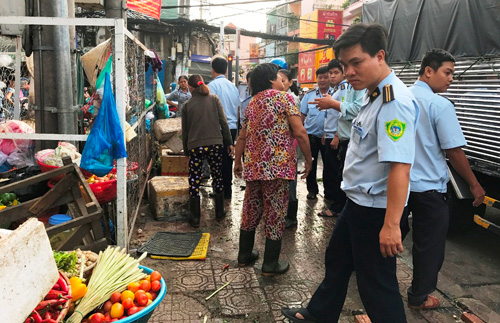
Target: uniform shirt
x: 315, y: 119
x: 381, y: 133
x: 349, y: 109
x: 269, y: 150
x: 179, y: 96
x: 332, y: 115
x: 229, y: 96
x: 438, y: 130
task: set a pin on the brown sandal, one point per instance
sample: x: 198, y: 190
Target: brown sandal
x: 430, y: 302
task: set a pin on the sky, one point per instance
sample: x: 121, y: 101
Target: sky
x: 246, y: 16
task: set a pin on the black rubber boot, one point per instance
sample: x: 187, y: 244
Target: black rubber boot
x: 246, y: 254
x: 194, y: 211
x: 219, y: 206
x: 272, y: 266
x: 291, y: 214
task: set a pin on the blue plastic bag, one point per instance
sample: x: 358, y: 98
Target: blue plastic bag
x: 105, y: 141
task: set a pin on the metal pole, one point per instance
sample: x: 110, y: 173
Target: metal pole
x: 17, y: 74
x: 121, y: 164
x: 237, y: 52
x: 221, y: 41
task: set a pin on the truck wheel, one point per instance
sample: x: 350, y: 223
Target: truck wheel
x: 461, y: 213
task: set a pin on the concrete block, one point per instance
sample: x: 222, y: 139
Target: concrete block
x: 169, y: 197
x: 174, y: 165
x: 167, y: 128
x: 175, y: 142
x: 28, y: 270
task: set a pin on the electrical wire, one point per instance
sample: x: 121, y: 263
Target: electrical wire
x: 216, y: 4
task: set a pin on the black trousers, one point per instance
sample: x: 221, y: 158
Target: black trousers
x: 331, y: 172
x: 340, y: 197
x: 316, y: 148
x: 354, y: 246
x: 227, y: 167
x: 430, y: 226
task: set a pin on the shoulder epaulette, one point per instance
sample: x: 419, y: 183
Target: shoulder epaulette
x: 342, y: 86
x: 388, y: 93
x: 375, y: 94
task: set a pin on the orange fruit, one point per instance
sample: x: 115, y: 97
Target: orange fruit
x: 155, y: 275
x: 133, y: 287
x: 145, y: 285
x: 117, y: 310
x: 149, y: 302
x: 127, y: 294
x: 148, y: 294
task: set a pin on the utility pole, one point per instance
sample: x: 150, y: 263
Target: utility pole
x: 221, y: 41
x: 237, y: 51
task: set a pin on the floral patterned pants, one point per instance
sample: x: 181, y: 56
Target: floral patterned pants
x: 213, y: 154
x: 268, y: 198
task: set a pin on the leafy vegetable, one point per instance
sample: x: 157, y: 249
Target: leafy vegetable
x: 66, y: 261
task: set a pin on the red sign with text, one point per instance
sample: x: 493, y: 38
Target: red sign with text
x: 307, y: 68
x: 332, y: 26
x: 148, y: 7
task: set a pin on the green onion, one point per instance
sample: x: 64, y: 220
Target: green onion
x: 115, y: 269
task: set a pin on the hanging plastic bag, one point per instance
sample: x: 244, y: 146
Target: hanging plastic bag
x: 161, y: 99
x: 106, y: 141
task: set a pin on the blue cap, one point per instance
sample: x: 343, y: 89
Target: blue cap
x: 59, y: 218
x: 280, y: 62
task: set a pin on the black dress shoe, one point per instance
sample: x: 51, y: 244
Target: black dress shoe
x: 311, y: 196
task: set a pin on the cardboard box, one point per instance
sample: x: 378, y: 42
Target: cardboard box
x: 174, y: 164
x: 169, y: 197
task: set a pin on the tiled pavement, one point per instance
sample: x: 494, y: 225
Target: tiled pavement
x: 250, y: 297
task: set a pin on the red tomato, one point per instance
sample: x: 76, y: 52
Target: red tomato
x: 155, y: 285
x: 154, y: 295
x: 97, y: 318
x: 133, y: 310
x: 107, y: 306
x: 148, y: 294
x: 116, y: 297
x: 142, y: 299
x: 145, y: 285
x: 127, y: 303
x: 155, y: 276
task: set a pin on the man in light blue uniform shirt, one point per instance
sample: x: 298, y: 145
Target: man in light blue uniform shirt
x: 347, y: 101
x: 314, y: 121
x: 438, y: 136
x: 230, y: 98
x: 330, y: 161
x: 367, y: 234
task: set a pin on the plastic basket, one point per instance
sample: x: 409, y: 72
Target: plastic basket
x: 144, y: 315
x: 47, y: 168
x: 104, y: 192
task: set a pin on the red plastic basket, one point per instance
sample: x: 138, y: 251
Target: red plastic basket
x: 47, y: 168
x: 104, y: 191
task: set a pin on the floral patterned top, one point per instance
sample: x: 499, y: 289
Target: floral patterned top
x: 269, y: 151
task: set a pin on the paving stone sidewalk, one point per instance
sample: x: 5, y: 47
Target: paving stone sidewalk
x: 250, y: 297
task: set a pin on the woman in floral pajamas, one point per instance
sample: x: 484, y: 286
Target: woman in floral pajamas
x: 270, y: 124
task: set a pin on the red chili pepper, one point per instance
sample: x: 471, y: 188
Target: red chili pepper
x: 226, y: 266
x: 47, y: 315
x: 62, y: 284
x: 50, y: 303
x: 36, y: 317
x: 49, y: 321
x: 57, y: 287
x: 56, y: 294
